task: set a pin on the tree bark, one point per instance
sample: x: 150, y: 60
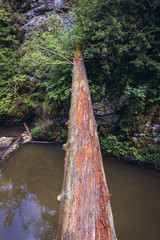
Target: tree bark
x: 85, y: 210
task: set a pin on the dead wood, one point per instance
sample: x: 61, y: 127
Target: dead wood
x: 27, y: 130
x: 85, y: 210
x: 13, y: 147
x: 44, y: 142
x: 24, y: 138
x: 45, y: 49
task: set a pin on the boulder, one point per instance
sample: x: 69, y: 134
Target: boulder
x: 5, y: 141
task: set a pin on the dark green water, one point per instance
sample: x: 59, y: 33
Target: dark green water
x: 31, y: 180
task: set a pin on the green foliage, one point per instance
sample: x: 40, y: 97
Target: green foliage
x: 50, y: 73
x: 154, y: 157
x: 94, y: 90
x: 116, y: 146
x: 120, y: 44
x: 41, y: 130
x: 139, y: 92
x: 154, y: 95
x: 64, y: 133
x: 122, y: 38
x: 8, y: 62
x: 119, y: 41
x: 149, y: 153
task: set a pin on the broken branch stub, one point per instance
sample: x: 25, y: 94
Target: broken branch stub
x: 85, y: 210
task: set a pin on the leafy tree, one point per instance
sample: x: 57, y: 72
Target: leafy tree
x: 122, y: 38
x: 8, y: 60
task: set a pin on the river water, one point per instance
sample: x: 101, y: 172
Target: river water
x: 31, y: 179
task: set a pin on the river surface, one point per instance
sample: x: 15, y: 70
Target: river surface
x: 31, y: 179
x: 11, y: 131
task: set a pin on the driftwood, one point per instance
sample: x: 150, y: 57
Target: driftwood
x: 24, y: 138
x: 85, y: 210
x: 13, y: 147
x: 44, y: 142
x: 27, y: 130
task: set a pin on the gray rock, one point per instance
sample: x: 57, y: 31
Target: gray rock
x: 153, y: 129
x: 48, y: 5
x: 5, y: 141
x: 111, y: 119
x: 35, y: 11
x: 105, y: 108
x: 135, y: 139
x: 35, y: 24
x: 58, y: 3
x: 156, y: 129
x: 108, y: 124
x: 108, y: 113
x: 156, y: 140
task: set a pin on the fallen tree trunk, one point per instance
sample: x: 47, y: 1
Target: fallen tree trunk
x: 13, y: 147
x: 24, y: 138
x: 85, y: 210
x: 27, y: 130
x: 44, y: 142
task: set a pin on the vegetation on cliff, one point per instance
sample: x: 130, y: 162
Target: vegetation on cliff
x: 120, y: 43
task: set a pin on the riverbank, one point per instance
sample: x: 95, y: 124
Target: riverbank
x: 133, y: 161
x: 15, y: 131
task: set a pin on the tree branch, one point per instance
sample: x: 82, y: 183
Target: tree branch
x: 126, y: 33
x: 56, y: 54
x: 57, y: 63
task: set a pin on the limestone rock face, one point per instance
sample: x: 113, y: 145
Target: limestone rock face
x: 35, y: 12
x: 28, y: 5
x: 108, y: 114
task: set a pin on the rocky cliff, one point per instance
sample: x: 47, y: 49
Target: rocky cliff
x: 36, y: 12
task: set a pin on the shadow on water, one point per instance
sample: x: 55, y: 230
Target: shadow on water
x: 31, y: 179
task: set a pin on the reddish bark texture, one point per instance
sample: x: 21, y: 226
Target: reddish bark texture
x: 85, y: 211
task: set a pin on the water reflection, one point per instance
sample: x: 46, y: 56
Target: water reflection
x: 29, y: 184
x: 31, y: 179
x: 135, y: 200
